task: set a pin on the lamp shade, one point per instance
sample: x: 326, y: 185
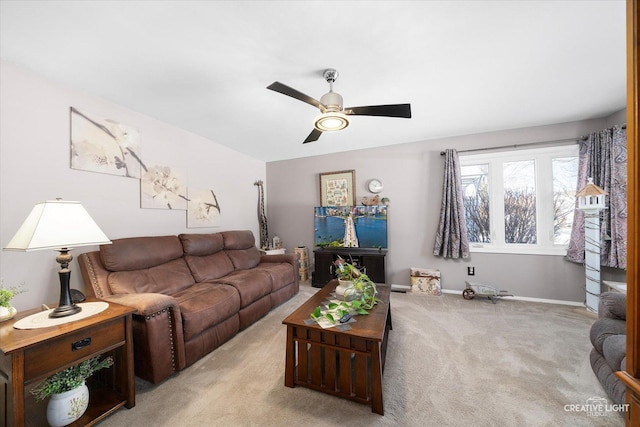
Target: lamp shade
x: 57, y: 224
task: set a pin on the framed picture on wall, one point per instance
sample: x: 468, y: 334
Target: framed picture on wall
x: 337, y: 188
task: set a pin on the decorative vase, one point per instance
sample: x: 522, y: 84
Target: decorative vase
x: 65, y: 408
x: 343, y: 285
x: 7, y: 313
x: 346, y: 290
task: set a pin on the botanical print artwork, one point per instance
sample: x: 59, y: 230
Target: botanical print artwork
x: 203, y: 209
x: 337, y: 192
x: 163, y: 187
x: 103, y: 145
x: 336, y: 188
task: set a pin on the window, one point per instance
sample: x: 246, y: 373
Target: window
x: 520, y: 201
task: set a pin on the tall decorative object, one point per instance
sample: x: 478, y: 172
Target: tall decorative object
x: 262, y: 216
x: 303, y: 263
x: 591, y: 201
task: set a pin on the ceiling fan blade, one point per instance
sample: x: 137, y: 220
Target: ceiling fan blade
x: 393, y: 110
x: 289, y: 91
x: 313, y: 136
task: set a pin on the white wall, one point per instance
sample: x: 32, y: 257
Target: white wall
x: 412, y: 177
x: 34, y: 167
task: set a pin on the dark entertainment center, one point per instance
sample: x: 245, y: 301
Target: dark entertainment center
x: 372, y: 260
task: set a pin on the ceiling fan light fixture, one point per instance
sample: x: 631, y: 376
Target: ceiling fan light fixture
x: 330, y: 121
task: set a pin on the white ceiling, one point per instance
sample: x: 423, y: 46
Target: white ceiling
x: 465, y: 66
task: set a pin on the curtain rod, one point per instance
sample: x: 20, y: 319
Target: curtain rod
x: 576, y: 139
x: 521, y: 145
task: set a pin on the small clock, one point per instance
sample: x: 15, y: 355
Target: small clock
x: 375, y: 186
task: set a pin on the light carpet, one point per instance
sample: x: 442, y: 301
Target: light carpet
x: 450, y: 362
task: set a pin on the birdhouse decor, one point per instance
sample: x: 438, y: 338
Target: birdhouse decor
x: 591, y: 202
x: 591, y: 198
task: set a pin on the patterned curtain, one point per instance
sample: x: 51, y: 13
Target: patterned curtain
x: 603, y: 157
x: 451, y: 237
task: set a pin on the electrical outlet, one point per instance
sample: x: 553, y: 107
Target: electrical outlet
x: 471, y: 271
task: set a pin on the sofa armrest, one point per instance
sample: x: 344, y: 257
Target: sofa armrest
x: 146, y: 304
x: 613, y: 305
x: 157, y: 334
x: 286, y: 258
x: 94, y: 275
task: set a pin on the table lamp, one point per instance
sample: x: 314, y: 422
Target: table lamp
x: 59, y: 225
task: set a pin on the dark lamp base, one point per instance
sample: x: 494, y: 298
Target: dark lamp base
x: 65, y: 310
x: 66, y: 307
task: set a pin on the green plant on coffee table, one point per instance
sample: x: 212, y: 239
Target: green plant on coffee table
x: 345, y: 270
x: 359, y: 298
x: 70, y: 378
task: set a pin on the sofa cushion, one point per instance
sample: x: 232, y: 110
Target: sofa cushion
x: 614, y: 349
x: 251, y: 284
x: 238, y: 239
x: 201, y: 244
x: 243, y: 259
x: 613, y: 305
x: 282, y: 274
x: 168, y: 278
x: 137, y: 253
x: 209, y: 267
x: 611, y: 384
x: 604, y: 328
x: 204, y: 305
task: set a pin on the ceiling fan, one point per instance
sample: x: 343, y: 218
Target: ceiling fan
x: 333, y: 116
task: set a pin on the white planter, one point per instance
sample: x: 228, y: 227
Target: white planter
x: 7, y: 313
x: 343, y: 285
x: 345, y: 290
x: 65, y: 408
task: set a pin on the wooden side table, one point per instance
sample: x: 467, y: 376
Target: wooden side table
x: 30, y: 355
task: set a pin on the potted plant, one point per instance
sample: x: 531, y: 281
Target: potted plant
x: 68, y: 391
x: 6, y: 294
x: 345, y: 273
x: 359, y: 295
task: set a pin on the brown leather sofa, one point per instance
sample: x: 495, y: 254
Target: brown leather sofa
x: 191, y: 292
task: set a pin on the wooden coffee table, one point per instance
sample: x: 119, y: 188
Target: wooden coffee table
x: 347, y: 364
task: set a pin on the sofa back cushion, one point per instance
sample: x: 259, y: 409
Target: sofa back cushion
x: 240, y: 246
x: 244, y: 258
x: 239, y: 239
x: 135, y: 253
x: 201, y: 244
x: 146, y: 264
x: 209, y: 267
x: 205, y: 257
x: 168, y: 278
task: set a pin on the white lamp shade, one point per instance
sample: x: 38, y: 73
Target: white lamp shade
x: 57, y: 224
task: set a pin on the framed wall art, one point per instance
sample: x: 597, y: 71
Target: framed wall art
x: 103, y: 145
x: 203, y: 209
x: 337, y: 188
x: 163, y: 187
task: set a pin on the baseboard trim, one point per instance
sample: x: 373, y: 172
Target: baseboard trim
x: 543, y: 300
